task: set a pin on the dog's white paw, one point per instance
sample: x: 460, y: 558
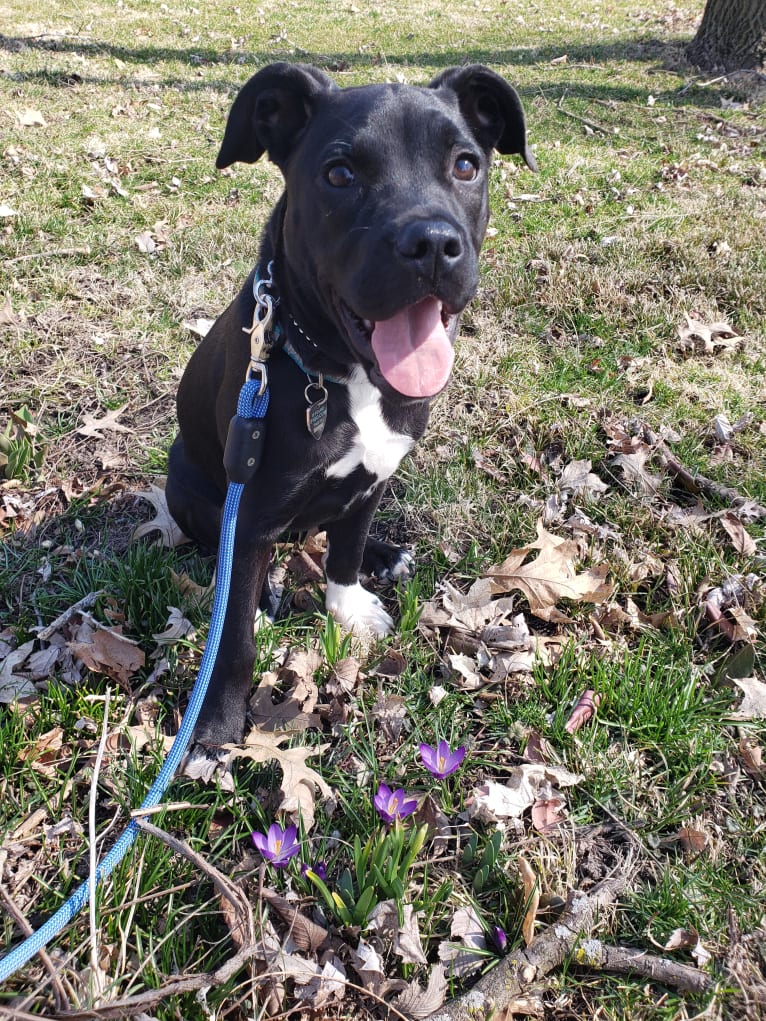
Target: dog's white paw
x: 357, y: 609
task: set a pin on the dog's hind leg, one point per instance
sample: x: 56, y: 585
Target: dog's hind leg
x: 194, y: 501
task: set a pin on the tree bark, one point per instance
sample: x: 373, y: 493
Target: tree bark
x: 731, y: 36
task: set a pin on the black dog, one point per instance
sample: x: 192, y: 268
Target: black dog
x: 374, y: 246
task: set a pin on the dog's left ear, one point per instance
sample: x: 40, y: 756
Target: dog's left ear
x: 491, y: 107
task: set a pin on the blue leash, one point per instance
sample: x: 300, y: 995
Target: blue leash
x: 245, y: 446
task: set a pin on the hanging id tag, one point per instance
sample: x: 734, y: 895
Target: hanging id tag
x: 316, y: 412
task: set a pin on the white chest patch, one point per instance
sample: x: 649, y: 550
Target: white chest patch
x: 375, y: 446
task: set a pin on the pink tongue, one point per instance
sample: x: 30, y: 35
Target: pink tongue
x: 413, y: 350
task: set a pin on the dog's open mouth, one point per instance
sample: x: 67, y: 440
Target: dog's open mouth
x: 412, y: 349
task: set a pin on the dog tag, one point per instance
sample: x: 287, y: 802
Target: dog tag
x: 316, y: 412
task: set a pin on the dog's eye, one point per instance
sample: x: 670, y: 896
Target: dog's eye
x: 465, y: 168
x: 340, y: 175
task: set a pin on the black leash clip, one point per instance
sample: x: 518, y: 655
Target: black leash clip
x: 244, y: 448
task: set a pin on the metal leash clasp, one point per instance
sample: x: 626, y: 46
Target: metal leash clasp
x: 260, y: 342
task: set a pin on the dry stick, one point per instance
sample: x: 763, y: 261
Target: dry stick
x: 95, y: 968
x: 693, y: 482
x: 592, y: 953
x: 496, y: 990
x: 45, y: 255
x: 59, y: 993
x: 583, y: 120
x: 223, y: 885
x: 133, y: 1005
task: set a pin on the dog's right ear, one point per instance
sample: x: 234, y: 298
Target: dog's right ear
x: 270, y: 112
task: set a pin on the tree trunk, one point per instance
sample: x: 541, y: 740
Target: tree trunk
x: 732, y: 36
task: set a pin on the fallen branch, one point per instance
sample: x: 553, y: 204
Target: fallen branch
x: 592, y: 953
x: 497, y: 990
x: 695, y: 483
x: 521, y: 969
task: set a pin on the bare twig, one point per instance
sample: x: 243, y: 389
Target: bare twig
x: 223, y: 886
x: 95, y: 967
x: 523, y: 968
x: 82, y: 604
x: 46, y: 255
x: 59, y: 993
x: 592, y: 125
x: 132, y: 1005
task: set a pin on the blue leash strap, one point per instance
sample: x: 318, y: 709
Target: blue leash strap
x: 251, y: 407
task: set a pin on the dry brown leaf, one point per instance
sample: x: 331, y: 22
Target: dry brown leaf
x: 15, y: 685
x: 633, y: 467
x: 344, y: 677
x: 680, y: 938
x: 307, y: 935
x: 93, y: 426
x: 751, y: 754
x: 407, y: 944
x: 392, y: 665
x: 163, y: 522
x: 531, y: 898
x: 326, y: 987
x: 696, y: 337
x: 30, y: 118
x: 419, y: 1003
x: 578, y: 479
x: 291, y: 712
x: 547, y: 814
x: 466, y: 669
x: 753, y: 705
x: 44, y: 754
x: 551, y: 576
x: 390, y: 711
x: 493, y: 802
x: 299, y: 781
x: 537, y: 749
x: 467, y: 956
x: 106, y: 651
x: 741, y: 540
x: 189, y: 588
x: 178, y: 627
x: 368, y: 964
x: 199, y: 326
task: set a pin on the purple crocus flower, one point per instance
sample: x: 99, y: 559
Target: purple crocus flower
x: 391, y: 805
x: 499, y: 938
x: 441, y: 760
x: 278, y: 846
x: 319, y: 869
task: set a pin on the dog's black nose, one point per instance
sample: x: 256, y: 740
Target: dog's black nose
x: 431, y: 246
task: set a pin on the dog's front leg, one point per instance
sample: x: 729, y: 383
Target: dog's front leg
x: 348, y: 601
x: 222, y: 719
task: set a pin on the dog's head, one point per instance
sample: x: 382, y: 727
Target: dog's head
x: 385, y: 206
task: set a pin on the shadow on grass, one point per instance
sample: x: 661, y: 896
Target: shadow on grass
x: 643, y: 48
x: 572, y: 77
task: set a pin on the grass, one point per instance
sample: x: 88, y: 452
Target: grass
x: 649, y: 206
